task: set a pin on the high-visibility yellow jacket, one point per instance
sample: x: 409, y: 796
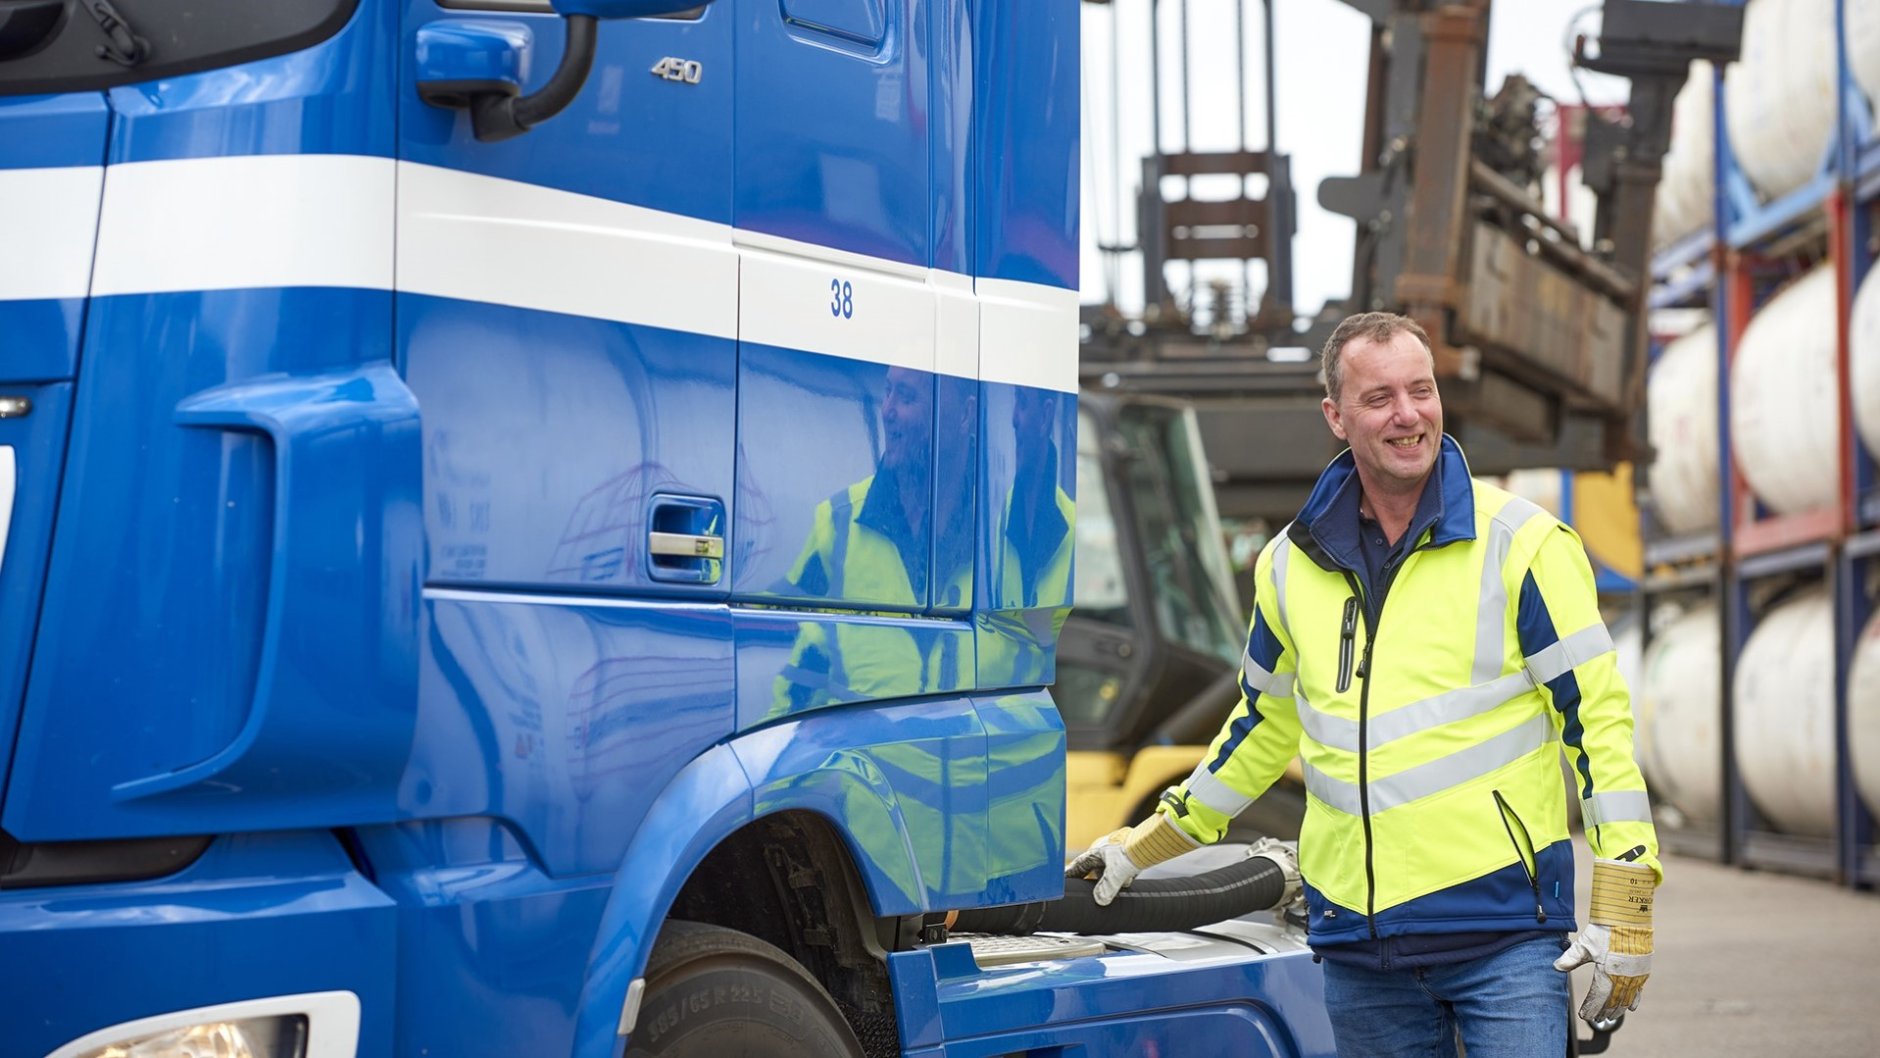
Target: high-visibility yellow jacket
x: 1430, y: 719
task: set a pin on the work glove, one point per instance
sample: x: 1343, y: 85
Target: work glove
x: 1617, y: 939
x: 1117, y: 857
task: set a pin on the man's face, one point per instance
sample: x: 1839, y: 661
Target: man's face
x: 1388, y: 410
x: 906, y: 416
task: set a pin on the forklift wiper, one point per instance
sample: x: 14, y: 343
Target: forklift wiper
x: 126, y: 47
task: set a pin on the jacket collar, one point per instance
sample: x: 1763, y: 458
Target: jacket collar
x: 1327, y: 526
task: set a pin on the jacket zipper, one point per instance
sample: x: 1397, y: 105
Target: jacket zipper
x: 1533, y: 875
x: 1372, y: 617
x: 1364, y: 757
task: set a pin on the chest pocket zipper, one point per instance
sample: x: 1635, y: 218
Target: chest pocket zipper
x: 1347, y: 634
x: 1523, y: 850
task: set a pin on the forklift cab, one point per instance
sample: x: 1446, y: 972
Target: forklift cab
x: 1148, y: 661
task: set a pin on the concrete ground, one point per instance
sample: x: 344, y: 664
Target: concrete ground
x: 1754, y: 963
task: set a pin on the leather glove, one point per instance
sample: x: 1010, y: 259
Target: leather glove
x: 1117, y: 857
x: 1617, y: 939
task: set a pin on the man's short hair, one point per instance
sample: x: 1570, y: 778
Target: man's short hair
x: 1378, y: 327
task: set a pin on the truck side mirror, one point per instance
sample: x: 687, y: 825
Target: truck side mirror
x: 479, y: 66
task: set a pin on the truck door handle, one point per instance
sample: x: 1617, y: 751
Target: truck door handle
x: 685, y: 545
x: 685, y: 541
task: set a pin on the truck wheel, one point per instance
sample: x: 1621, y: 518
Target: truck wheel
x: 713, y: 992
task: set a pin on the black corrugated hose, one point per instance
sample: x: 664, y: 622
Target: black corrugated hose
x: 1155, y: 905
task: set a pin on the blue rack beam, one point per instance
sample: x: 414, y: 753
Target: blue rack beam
x: 1841, y: 543
x: 1686, y: 251
x: 1867, y: 172
x: 1687, y: 289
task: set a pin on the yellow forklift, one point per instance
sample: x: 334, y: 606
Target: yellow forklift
x: 1148, y: 662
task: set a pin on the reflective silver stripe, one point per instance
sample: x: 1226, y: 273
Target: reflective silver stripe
x: 1256, y: 679
x: 1336, y: 793
x: 1570, y: 653
x: 1491, y: 613
x: 1341, y: 733
x: 1438, y: 775
x: 1281, y: 551
x: 1213, y: 793
x: 1326, y: 729
x: 1457, y: 768
x: 1446, y: 708
x: 1616, y: 806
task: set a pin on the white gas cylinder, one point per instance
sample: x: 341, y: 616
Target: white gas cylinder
x: 1863, y: 714
x: 1784, y: 714
x: 1783, y: 415
x: 1779, y: 103
x: 1684, y: 191
x: 1864, y: 355
x: 1678, y: 703
x: 1682, y: 408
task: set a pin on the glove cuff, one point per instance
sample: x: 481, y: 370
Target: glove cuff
x: 1154, y: 840
x: 1622, y: 894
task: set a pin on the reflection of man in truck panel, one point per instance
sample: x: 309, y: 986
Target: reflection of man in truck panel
x: 870, y: 542
x: 1032, y: 564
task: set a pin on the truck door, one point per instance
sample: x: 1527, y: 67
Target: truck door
x: 567, y: 306
x: 567, y: 309
x: 51, y: 181
x: 836, y: 313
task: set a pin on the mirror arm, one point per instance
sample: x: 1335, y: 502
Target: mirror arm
x: 495, y: 116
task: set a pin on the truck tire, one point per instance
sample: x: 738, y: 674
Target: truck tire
x: 713, y: 992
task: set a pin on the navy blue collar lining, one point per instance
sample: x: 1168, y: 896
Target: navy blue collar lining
x: 1327, y: 526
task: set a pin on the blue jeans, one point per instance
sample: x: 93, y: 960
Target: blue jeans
x: 1512, y: 1004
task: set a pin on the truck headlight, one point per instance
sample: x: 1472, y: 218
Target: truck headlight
x: 306, y: 1025
x: 283, y: 1036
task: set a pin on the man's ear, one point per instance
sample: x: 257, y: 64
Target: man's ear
x: 1330, y: 408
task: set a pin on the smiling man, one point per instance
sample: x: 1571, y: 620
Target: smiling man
x: 1428, y: 645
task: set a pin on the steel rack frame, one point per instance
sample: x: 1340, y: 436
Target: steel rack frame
x: 1835, y: 214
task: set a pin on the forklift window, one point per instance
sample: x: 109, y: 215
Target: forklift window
x: 1180, y: 529
x: 1100, y: 592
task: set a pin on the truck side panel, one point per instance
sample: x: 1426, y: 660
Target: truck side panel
x: 1025, y: 261
x: 201, y: 255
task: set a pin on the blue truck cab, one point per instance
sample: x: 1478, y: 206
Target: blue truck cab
x: 447, y: 543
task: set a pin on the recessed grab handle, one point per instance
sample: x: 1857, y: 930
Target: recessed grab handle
x: 685, y: 545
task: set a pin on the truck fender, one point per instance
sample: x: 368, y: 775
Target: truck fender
x: 710, y: 799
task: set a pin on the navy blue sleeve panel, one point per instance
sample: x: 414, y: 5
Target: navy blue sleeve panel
x: 1535, y: 626
x: 1570, y: 657
x: 1257, y: 676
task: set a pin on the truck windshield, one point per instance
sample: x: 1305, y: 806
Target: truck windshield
x: 95, y: 46
x: 1180, y: 530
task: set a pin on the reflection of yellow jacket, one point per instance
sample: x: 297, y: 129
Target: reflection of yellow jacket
x: 1431, y: 740
x: 1017, y: 641
x: 862, y: 558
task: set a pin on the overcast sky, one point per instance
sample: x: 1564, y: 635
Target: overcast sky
x: 1322, y: 47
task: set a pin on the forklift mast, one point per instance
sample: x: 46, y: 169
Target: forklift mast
x: 1536, y: 330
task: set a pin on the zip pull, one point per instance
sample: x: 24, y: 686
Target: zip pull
x: 1347, y: 633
